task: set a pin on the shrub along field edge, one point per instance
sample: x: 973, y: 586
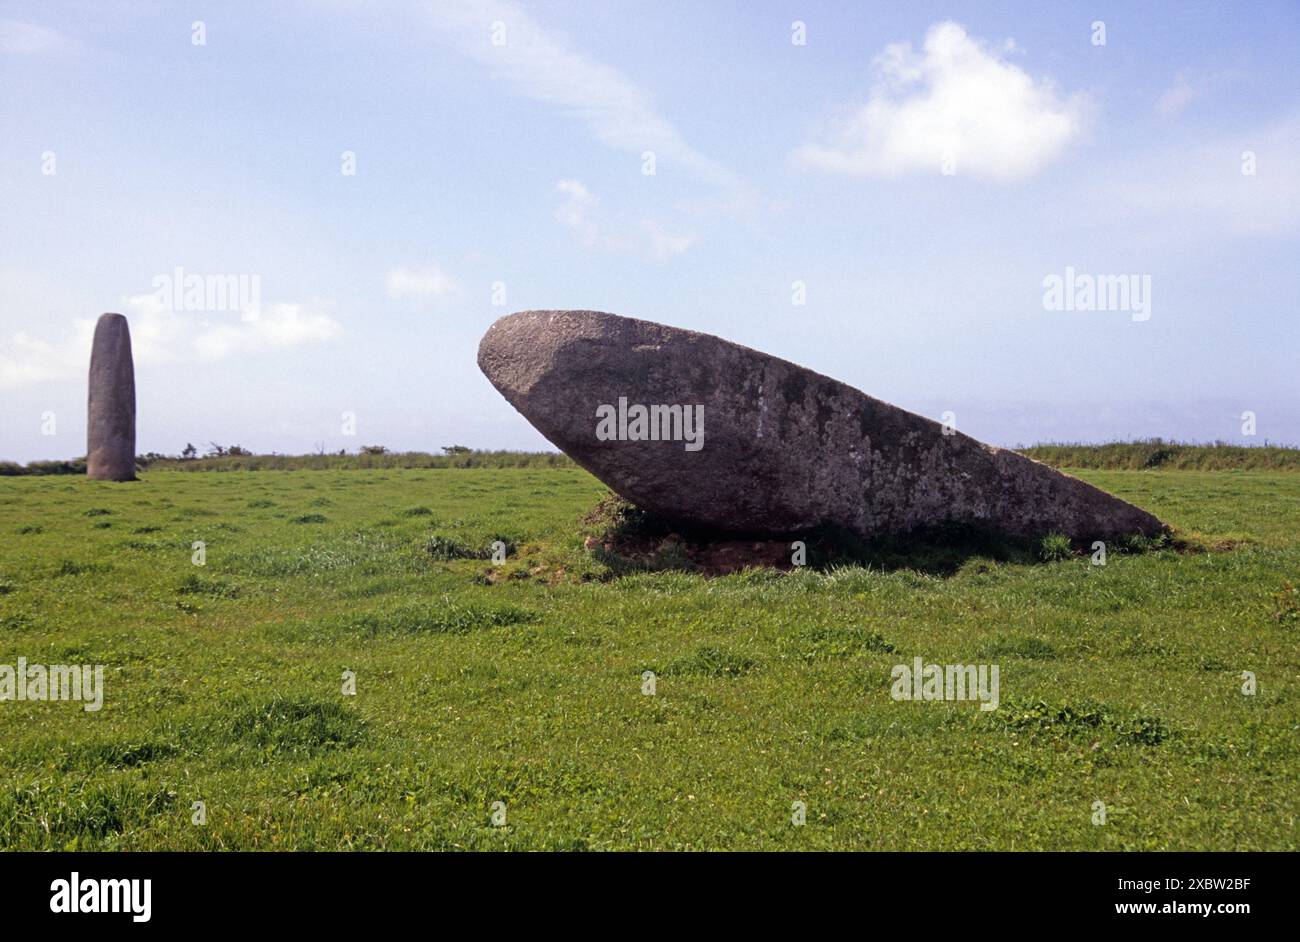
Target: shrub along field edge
x: 1115, y: 456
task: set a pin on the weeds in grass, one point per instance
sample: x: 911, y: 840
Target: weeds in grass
x: 294, y: 724
x: 444, y: 618
x: 1286, y: 605
x: 76, y: 814
x: 1031, y: 649
x: 1054, y: 547
x: 824, y: 643
x: 1064, y: 720
x: 194, y: 584
x: 710, y: 662
x: 116, y: 754
x: 445, y: 547
x: 72, y: 567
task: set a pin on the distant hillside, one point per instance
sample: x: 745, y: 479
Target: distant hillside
x: 1177, y: 456
x: 1118, y: 456
x: 407, y: 459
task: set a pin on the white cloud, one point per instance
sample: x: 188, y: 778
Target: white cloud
x: 541, y: 64
x: 279, y: 327
x: 28, y: 39
x: 423, y: 284
x: 662, y: 245
x: 161, y: 335
x: 581, y: 214
x: 26, y: 360
x: 955, y: 99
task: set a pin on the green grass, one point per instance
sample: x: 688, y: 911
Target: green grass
x: 523, y: 683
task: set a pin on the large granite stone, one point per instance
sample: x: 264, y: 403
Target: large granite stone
x: 110, y: 430
x: 783, y: 449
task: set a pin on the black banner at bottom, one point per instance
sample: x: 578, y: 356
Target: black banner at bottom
x: 147, y: 891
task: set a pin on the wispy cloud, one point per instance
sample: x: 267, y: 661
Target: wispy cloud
x: 541, y: 64
x: 421, y: 284
x: 30, y: 39
x: 958, y: 100
x: 580, y: 212
x: 1187, y: 89
x: 1177, y: 97
x: 577, y: 210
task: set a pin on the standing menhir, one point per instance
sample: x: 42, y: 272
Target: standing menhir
x: 110, y: 435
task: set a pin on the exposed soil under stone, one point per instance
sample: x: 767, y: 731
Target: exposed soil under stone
x: 672, y: 551
x: 628, y: 539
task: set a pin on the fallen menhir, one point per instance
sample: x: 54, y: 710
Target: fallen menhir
x: 773, y: 447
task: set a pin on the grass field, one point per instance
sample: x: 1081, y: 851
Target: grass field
x: 522, y: 684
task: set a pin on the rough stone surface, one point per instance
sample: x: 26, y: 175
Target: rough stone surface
x: 110, y: 430
x: 785, y: 450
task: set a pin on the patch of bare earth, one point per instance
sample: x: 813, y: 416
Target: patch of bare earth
x: 711, y: 558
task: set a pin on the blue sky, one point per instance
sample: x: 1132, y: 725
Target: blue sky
x: 505, y: 143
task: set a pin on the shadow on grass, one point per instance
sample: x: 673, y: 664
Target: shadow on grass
x: 628, y: 539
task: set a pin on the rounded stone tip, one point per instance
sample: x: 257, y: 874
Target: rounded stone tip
x: 518, y: 348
